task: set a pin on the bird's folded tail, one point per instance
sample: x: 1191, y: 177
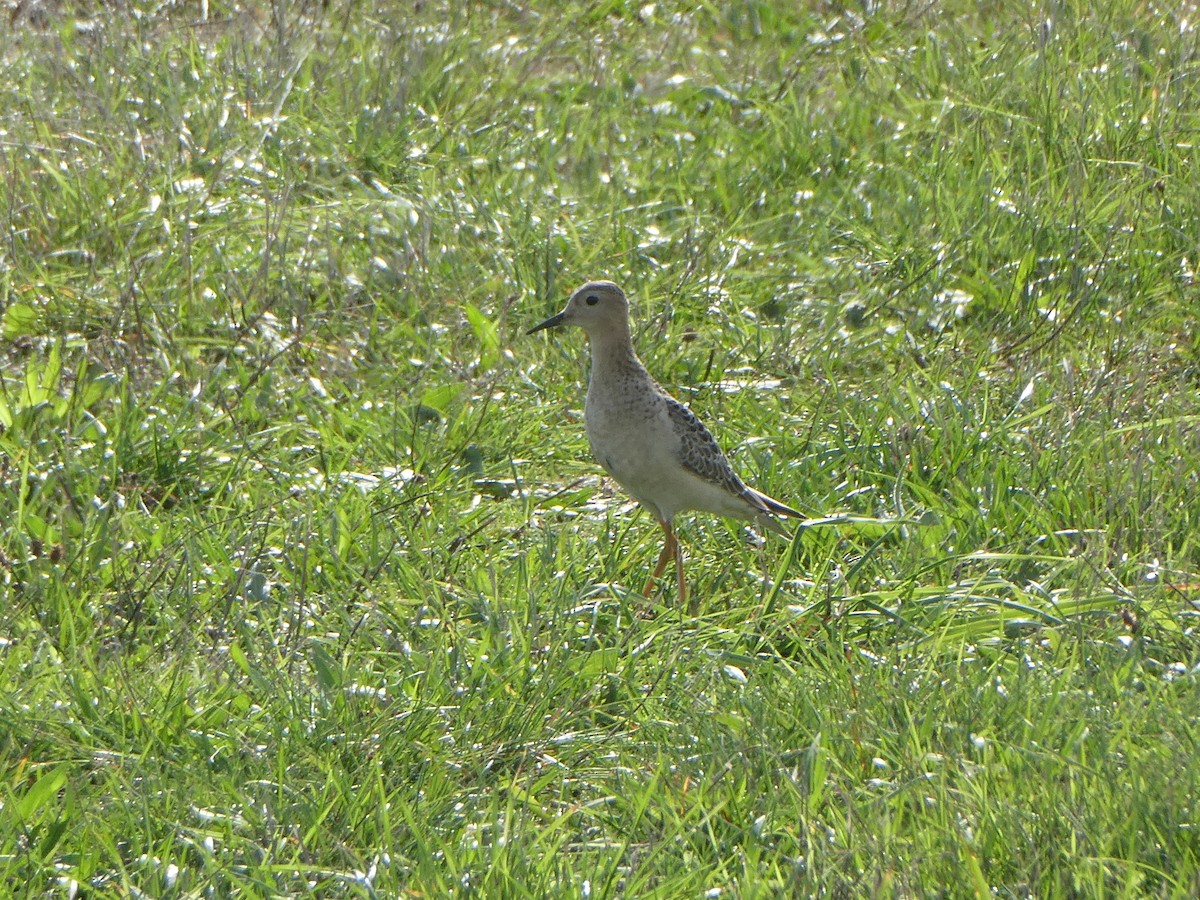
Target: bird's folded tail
x: 773, y: 508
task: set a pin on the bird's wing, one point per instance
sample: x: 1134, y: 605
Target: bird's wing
x: 698, y: 451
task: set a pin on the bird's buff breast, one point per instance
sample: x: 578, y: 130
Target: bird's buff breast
x: 629, y: 439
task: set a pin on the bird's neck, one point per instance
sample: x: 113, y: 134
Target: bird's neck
x: 612, y: 355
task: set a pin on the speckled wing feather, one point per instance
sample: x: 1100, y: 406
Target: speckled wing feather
x: 699, y: 453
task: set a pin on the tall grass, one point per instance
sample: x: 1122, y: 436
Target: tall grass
x: 311, y: 587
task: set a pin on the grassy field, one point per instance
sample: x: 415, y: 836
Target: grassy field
x: 308, y: 583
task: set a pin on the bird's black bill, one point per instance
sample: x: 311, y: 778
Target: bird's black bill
x: 549, y: 323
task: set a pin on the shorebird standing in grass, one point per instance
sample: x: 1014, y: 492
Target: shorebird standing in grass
x: 652, y: 444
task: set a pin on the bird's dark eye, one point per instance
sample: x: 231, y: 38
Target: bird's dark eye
x: 591, y: 300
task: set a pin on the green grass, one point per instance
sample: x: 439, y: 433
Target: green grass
x: 307, y: 582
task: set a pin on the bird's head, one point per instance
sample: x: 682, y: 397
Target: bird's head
x: 596, y: 307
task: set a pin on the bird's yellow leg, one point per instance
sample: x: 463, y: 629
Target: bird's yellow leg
x: 670, y: 546
x: 679, y: 577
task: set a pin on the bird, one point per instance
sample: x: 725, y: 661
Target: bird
x: 650, y: 443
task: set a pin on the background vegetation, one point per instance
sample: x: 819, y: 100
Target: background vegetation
x: 309, y: 585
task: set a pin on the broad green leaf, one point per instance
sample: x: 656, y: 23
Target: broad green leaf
x: 486, y: 333
x: 440, y: 398
x: 40, y: 793
x: 20, y: 320
x: 325, y: 667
